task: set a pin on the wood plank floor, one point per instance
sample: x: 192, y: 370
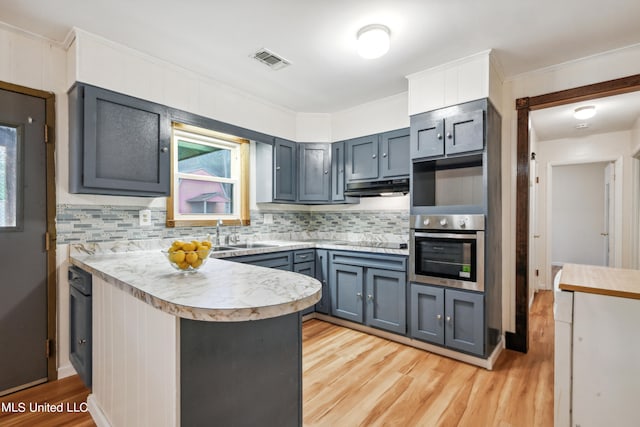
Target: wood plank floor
x: 355, y: 379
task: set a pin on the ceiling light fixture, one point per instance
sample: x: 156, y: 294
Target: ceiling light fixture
x: 373, y: 41
x: 584, y: 113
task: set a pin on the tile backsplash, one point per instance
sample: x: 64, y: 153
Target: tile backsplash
x: 95, y: 223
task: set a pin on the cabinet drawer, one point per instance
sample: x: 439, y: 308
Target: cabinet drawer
x: 363, y: 259
x: 281, y: 260
x: 303, y: 256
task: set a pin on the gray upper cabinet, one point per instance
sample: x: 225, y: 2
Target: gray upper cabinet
x: 361, y: 159
x: 395, y: 158
x: 378, y: 157
x: 426, y: 136
x: 464, y: 132
x: 284, y: 170
x: 314, y: 163
x: 448, y: 132
x: 118, y: 145
x: 337, y: 171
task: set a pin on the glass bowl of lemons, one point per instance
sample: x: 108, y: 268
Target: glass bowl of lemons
x: 188, y: 256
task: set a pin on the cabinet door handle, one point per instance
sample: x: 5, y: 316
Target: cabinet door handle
x: 303, y: 256
x: 82, y: 341
x: 359, y: 294
x: 439, y: 316
x: 439, y: 136
x: 449, y: 319
x: 384, y: 154
x: 326, y: 172
x: 374, y: 156
x: 449, y: 135
x: 370, y: 297
x: 277, y: 168
x: 164, y: 149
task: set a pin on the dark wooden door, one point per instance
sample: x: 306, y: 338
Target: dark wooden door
x: 23, y: 258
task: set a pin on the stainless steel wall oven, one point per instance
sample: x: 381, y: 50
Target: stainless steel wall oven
x: 447, y: 250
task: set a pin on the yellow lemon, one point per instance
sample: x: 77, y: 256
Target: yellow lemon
x: 177, y: 256
x: 197, y: 263
x: 183, y: 265
x: 191, y: 257
x: 188, y: 247
x: 206, y: 243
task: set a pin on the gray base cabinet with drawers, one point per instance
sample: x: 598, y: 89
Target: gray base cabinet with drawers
x: 369, y: 288
x: 448, y: 317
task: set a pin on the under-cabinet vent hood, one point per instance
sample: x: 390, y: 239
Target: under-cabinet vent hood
x: 270, y: 59
x: 378, y: 188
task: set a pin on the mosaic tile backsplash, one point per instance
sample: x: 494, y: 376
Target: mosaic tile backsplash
x: 94, y: 223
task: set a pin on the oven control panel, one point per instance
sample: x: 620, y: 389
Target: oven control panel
x: 447, y: 222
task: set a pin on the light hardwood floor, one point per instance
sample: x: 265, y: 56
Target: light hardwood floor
x: 355, y: 379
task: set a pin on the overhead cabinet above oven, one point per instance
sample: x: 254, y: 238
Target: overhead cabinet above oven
x: 450, y: 131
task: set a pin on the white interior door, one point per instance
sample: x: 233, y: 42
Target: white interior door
x: 534, y: 271
x: 608, y: 232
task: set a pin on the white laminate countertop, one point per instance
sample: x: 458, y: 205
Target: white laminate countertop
x: 615, y: 282
x: 221, y: 291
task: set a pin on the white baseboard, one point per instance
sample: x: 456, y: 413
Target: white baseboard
x: 96, y: 413
x: 66, y: 371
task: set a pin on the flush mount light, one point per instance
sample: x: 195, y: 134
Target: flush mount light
x: 584, y: 113
x: 373, y: 41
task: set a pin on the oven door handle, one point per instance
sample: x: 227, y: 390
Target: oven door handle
x: 446, y: 235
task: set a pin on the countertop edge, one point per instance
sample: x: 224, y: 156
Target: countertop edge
x: 205, y: 314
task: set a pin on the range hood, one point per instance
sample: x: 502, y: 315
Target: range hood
x: 377, y: 188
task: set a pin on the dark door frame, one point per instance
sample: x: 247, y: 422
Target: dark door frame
x: 520, y: 339
x: 50, y: 238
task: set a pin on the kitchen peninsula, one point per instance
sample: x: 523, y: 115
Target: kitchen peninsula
x: 216, y: 347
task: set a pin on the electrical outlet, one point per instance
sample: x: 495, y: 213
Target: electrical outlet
x: 145, y: 217
x: 268, y: 218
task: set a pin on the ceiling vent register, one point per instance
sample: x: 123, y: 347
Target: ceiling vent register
x: 270, y: 59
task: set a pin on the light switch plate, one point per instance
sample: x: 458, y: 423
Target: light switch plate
x: 145, y: 217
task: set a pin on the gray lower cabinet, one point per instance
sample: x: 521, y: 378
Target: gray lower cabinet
x: 314, y: 180
x: 284, y: 170
x: 448, y: 317
x: 118, y: 144
x: 304, y: 263
x: 280, y: 260
x: 364, y: 291
x: 322, y: 274
x: 80, y: 334
x: 347, y: 286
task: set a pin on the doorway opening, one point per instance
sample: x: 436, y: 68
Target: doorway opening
x: 519, y: 340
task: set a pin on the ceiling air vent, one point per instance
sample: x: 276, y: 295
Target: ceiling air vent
x: 270, y: 59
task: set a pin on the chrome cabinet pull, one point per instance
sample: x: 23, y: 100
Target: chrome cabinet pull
x: 370, y: 297
x: 82, y: 341
x: 439, y: 316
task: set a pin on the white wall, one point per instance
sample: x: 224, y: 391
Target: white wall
x: 578, y: 214
x: 595, y: 148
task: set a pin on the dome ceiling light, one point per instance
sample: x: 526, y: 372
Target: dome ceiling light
x: 584, y: 113
x: 373, y: 41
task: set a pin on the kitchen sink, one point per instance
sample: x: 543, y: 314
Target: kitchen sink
x: 253, y: 245
x: 223, y: 248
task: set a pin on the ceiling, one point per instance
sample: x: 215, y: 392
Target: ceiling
x: 216, y: 38
x: 613, y: 113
